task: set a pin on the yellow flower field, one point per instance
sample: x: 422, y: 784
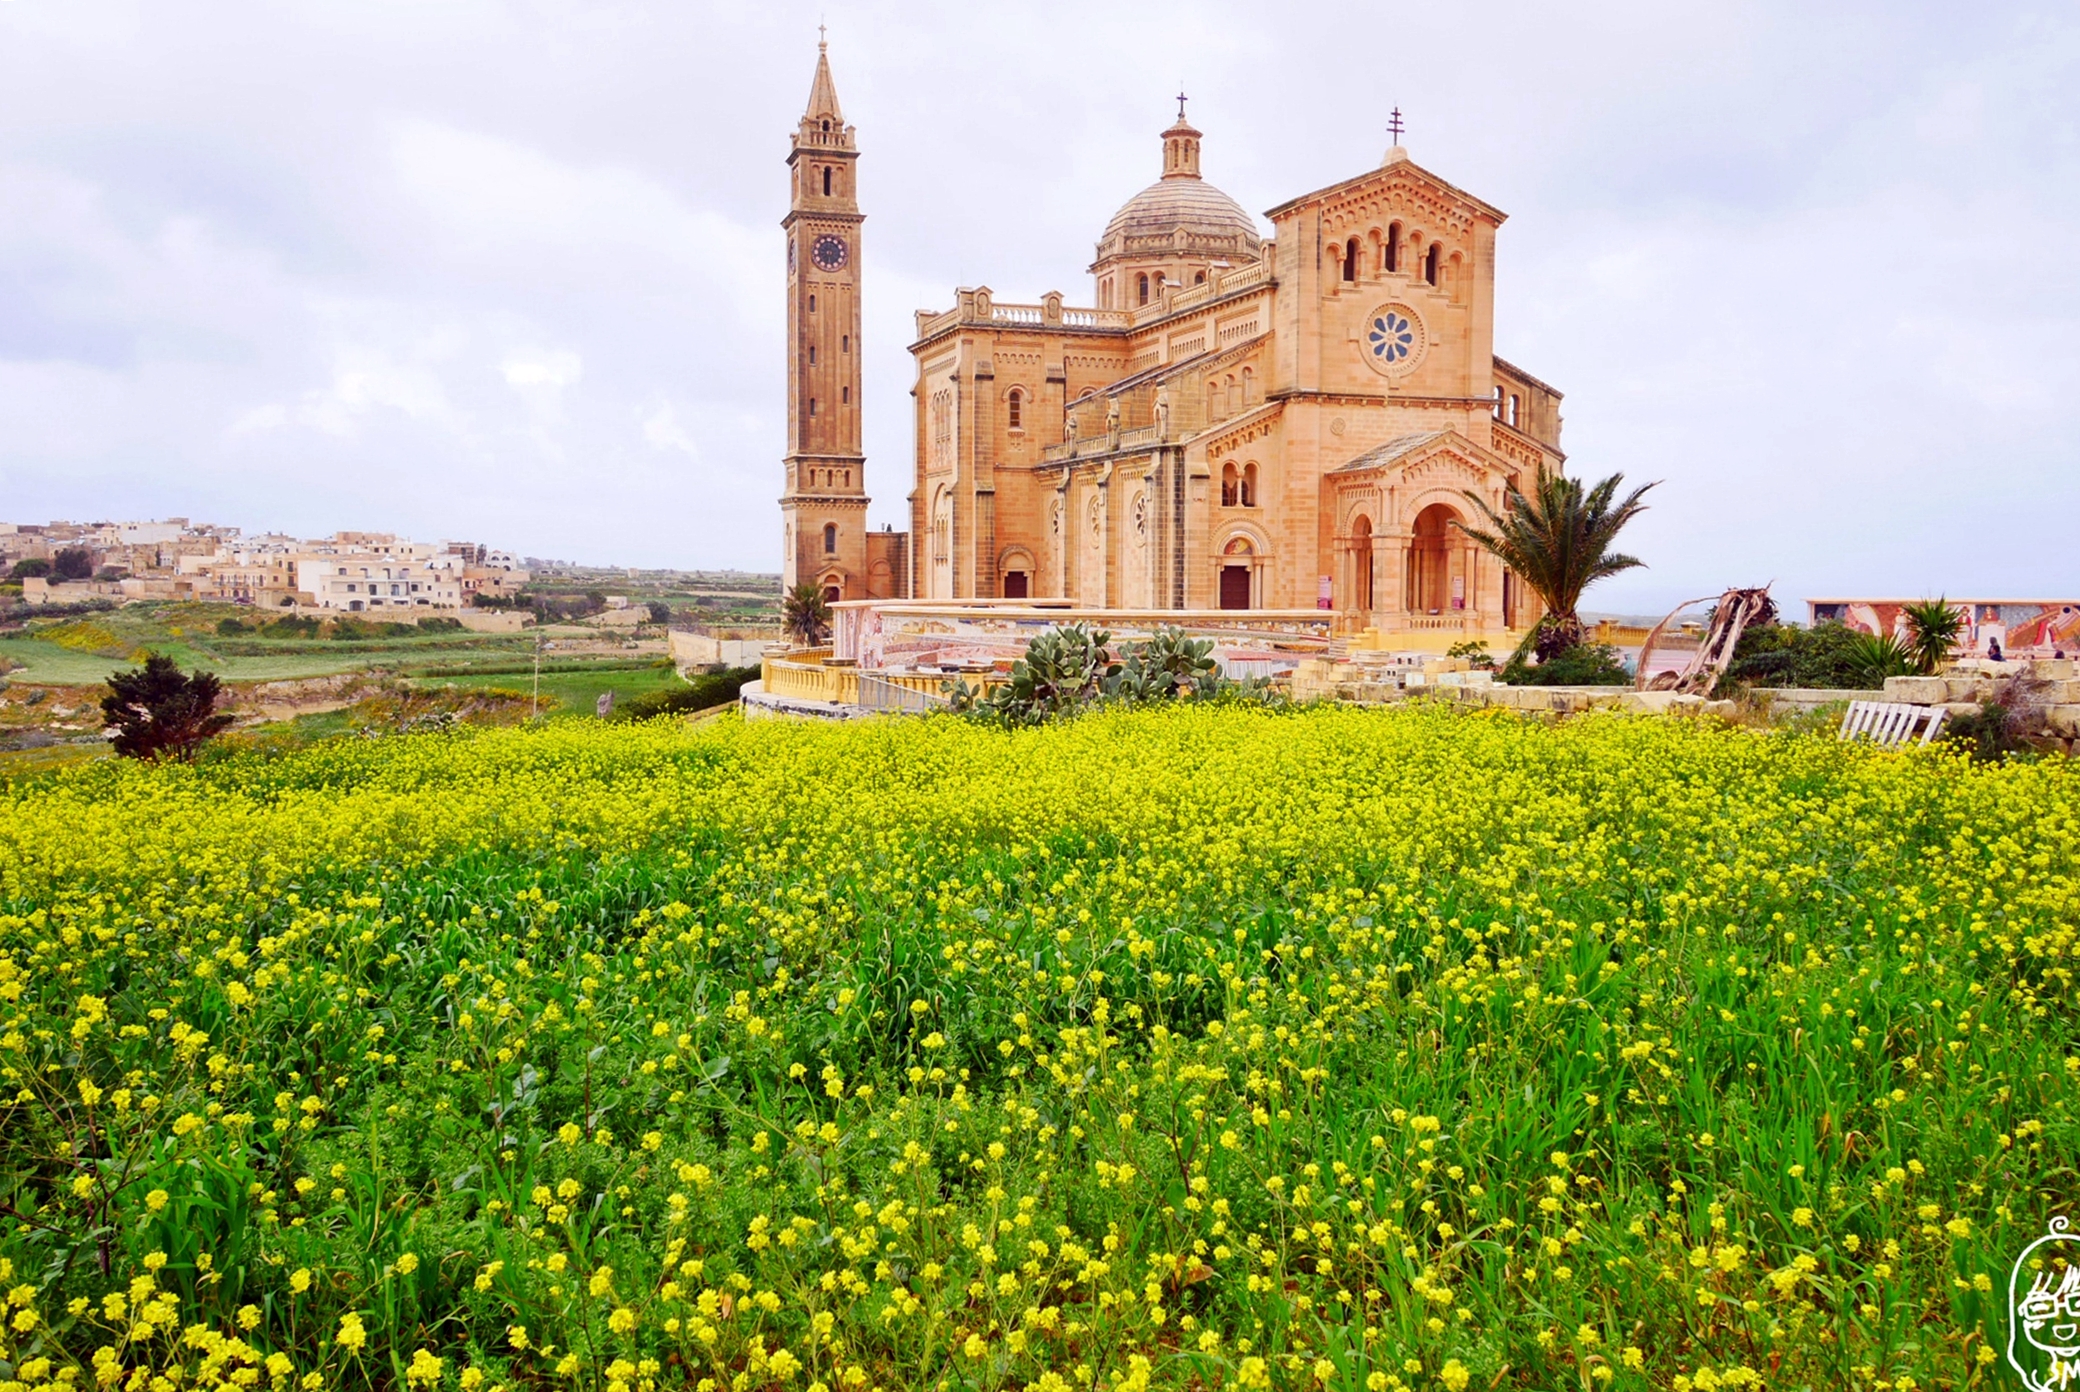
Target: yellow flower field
x: 1199, y: 1047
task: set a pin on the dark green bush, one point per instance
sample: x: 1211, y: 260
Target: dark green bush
x: 1584, y: 664
x: 705, y: 691
x: 1828, y: 656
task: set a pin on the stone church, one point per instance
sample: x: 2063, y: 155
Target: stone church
x: 1236, y: 422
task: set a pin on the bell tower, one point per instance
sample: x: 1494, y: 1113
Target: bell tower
x: 824, y: 505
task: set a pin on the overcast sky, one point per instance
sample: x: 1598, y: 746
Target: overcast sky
x: 513, y: 272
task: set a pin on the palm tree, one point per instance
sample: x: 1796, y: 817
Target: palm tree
x: 1558, y: 541
x: 806, y: 615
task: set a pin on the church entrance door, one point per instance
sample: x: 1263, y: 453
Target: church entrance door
x: 1235, y: 587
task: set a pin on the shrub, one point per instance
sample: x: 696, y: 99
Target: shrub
x: 31, y: 568
x: 1877, y: 656
x: 1584, y: 664
x: 704, y: 692
x: 158, y: 713
x: 231, y: 628
x: 1827, y: 656
x: 73, y: 563
x: 440, y: 625
x: 2001, y: 726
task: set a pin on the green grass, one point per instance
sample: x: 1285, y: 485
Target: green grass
x: 1321, y: 1050
x: 575, y: 692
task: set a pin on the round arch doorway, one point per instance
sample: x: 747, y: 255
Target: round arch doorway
x: 1435, y: 585
x: 1236, y: 577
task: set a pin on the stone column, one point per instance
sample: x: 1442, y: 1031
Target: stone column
x: 1390, y: 579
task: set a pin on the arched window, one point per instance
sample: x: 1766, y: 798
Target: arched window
x: 1159, y: 284
x: 1513, y: 400
x: 812, y: 355
x: 812, y: 304
x: 1015, y: 409
x: 1249, y: 485
x: 830, y: 538
x: 826, y: 182
x: 845, y: 396
x: 812, y: 405
x: 1498, y: 401
x: 1215, y: 404
x: 1430, y: 263
x: 1144, y: 289
x: 1248, y: 385
x: 1199, y: 278
x: 1231, y: 486
x: 1391, y: 252
x: 1350, y: 260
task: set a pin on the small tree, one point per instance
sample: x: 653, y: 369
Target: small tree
x: 73, y: 563
x: 806, y: 615
x: 30, y: 568
x: 1558, y: 540
x: 1933, y: 628
x: 660, y: 612
x: 156, y: 712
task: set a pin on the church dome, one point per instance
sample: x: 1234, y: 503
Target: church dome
x: 1181, y: 213
x: 1189, y: 204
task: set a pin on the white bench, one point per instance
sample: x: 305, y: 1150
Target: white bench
x: 1889, y: 724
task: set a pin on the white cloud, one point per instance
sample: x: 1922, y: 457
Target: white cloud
x: 662, y: 431
x: 552, y: 370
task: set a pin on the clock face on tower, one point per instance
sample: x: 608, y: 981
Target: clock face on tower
x: 828, y: 253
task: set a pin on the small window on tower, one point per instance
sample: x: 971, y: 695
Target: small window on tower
x: 1014, y: 409
x: 826, y: 182
x: 1144, y: 289
x: 845, y: 343
x: 812, y: 304
x: 1199, y: 278
x: 812, y: 405
x: 812, y: 355
x: 830, y: 539
x: 845, y: 395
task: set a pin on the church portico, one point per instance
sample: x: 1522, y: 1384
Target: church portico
x: 1403, y: 561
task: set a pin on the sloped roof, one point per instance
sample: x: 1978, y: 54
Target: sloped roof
x: 1389, y: 452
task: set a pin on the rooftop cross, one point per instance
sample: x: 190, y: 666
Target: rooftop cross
x: 822, y: 38
x: 1180, y: 101
x: 1394, y: 126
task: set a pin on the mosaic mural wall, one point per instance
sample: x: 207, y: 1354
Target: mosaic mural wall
x: 2023, y: 628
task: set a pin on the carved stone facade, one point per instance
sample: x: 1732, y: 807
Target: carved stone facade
x: 1241, y: 422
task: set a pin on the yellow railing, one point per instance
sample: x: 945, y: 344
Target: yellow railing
x: 804, y: 676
